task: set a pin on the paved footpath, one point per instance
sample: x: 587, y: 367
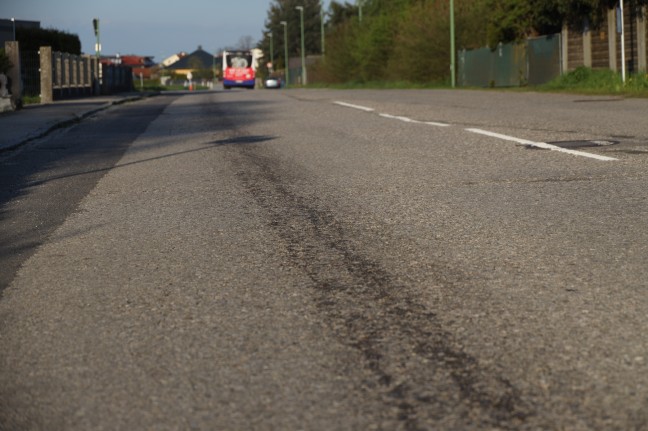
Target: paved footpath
x: 35, y: 121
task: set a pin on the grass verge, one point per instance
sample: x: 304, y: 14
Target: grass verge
x: 381, y: 85
x: 588, y: 81
x: 581, y: 81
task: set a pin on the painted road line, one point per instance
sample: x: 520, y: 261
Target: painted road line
x: 542, y: 145
x: 434, y: 123
x: 349, y: 105
x: 409, y: 120
x: 395, y: 117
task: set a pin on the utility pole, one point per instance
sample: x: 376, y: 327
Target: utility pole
x: 303, y: 51
x: 285, y: 26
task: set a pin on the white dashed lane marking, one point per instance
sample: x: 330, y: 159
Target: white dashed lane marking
x: 542, y: 145
x: 349, y: 105
x: 409, y: 120
x: 526, y: 142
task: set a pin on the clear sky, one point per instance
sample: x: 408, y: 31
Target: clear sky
x: 145, y: 27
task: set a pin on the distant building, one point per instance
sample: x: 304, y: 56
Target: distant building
x: 174, y: 58
x: 197, y: 60
x: 140, y: 64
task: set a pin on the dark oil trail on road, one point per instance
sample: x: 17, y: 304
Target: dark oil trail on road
x: 419, y: 371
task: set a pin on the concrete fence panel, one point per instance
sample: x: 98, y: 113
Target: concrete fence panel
x: 46, y: 74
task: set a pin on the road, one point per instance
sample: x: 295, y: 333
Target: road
x: 319, y: 259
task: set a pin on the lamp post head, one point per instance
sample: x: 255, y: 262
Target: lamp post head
x: 300, y: 8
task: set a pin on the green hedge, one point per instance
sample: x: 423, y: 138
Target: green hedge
x: 31, y: 39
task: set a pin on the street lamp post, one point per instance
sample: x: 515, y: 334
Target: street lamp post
x: 270, y: 35
x: 214, y: 70
x: 303, y: 52
x: 13, y: 22
x: 285, y: 26
x: 622, y: 31
x: 360, y: 11
x: 322, y: 22
x: 453, y: 78
x: 95, y: 24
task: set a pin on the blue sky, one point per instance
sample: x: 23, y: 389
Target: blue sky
x: 143, y: 27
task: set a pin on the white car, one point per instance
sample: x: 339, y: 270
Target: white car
x: 272, y: 82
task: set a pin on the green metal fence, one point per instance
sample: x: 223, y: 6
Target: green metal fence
x: 534, y: 62
x: 544, y: 59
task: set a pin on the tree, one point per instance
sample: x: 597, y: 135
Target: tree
x: 340, y: 13
x: 284, y: 10
x: 5, y: 63
x: 399, y: 40
x: 245, y: 43
x: 422, y: 45
x: 514, y: 20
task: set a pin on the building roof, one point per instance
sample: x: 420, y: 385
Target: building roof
x: 199, y: 59
x: 138, y: 60
x: 172, y: 59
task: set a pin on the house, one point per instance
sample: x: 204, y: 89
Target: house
x: 199, y: 60
x: 141, y: 65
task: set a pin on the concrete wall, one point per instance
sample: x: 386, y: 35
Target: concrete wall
x: 12, y: 49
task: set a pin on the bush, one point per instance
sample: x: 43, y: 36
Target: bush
x: 31, y: 39
x: 401, y: 41
x: 5, y: 64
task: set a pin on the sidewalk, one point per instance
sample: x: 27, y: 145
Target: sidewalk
x: 35, y: 121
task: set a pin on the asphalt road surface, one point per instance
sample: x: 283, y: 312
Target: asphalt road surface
x: 329, y: 260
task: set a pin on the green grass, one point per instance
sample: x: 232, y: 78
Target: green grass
x: 381, y: 85
x: 582, y: 81
x: 588, y: 81
x: 31, y: 100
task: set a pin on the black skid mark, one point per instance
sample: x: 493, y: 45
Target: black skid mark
x: 372, y: 312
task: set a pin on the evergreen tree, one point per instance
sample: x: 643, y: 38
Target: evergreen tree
x: 284, y: 10
x: 340, y: 13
